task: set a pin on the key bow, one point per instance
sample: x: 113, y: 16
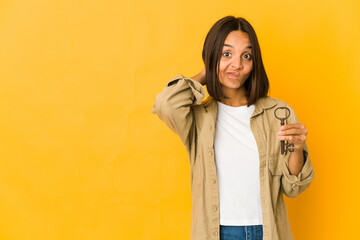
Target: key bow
x: 285, y: 147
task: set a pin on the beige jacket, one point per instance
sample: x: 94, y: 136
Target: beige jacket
x: 181, y: 107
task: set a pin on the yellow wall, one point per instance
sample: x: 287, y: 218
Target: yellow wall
x: 82, y: 157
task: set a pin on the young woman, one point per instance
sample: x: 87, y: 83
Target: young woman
x: 238, y: 172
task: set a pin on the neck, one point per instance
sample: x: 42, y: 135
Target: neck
x: 236, y: 98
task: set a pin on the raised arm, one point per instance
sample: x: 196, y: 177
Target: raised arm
x: 174, y: 105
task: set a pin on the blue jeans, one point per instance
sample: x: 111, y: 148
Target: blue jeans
x: 253, y: 232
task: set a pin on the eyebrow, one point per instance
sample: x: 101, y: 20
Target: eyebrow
x: 228, y: 45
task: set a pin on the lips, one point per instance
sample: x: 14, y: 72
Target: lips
x: 233, y: 74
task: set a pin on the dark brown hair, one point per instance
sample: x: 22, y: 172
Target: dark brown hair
x: 257, y: 85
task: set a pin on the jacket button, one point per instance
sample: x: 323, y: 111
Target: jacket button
x: 215, y: 233
x: 214, y: 208
x: 213, y: 180
x: 210, y: 153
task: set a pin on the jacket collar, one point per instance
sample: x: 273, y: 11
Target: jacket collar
x: 210, y: 105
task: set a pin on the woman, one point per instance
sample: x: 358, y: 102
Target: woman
x: 238, y: 173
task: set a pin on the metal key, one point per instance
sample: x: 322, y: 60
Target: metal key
x: 285, y: 147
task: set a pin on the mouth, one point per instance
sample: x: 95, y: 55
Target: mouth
x: 233, y: 74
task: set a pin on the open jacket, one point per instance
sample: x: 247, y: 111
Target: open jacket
x: 181, y: 107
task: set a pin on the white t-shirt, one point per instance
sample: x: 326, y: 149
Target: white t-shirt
x: 237, y: 164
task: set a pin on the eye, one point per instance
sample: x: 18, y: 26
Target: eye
x: 226, y: 54
x: 247, y: 56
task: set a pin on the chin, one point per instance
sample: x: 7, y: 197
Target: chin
x: 234, y: 84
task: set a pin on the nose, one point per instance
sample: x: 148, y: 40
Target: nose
x: 237, y: 63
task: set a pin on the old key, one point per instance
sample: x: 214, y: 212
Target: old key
x: 285, y: 147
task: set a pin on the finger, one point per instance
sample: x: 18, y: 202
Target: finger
x: 292, y: 139
x: 292, y: 125
x: 293, y: 131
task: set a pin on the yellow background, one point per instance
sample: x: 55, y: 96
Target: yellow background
x: 82, y: 157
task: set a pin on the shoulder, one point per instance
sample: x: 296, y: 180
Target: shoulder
x: 283, y: 103
x: 270, y: 102
x: 279, y: 102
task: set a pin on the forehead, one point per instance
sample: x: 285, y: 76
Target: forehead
x: 238, y: 38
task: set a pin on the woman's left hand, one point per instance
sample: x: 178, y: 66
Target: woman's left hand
x: 294, y: 133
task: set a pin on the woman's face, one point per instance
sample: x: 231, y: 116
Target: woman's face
x: 236, y: 61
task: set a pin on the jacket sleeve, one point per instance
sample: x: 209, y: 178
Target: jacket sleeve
x: 174, y: 106
x: 293, y: 185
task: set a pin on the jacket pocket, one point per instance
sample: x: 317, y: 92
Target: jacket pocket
x: 274, y: 152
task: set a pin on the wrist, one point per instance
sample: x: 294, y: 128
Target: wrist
x: 199, y: 79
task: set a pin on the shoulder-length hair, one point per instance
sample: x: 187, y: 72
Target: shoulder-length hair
x: 257, y: 85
